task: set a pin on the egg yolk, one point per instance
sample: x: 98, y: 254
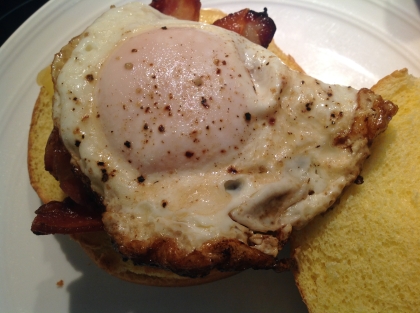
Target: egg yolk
x: 175, y: 98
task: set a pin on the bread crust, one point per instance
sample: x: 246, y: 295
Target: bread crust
x: 44, y: 184
x: 98, y: 245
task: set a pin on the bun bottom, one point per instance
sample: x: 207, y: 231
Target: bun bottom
x: 98, y: 247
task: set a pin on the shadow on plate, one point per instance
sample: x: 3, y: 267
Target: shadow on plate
x: 250, y: 291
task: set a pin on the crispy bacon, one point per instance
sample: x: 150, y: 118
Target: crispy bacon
x: 65, y: 217
x: 256, y: 27
x: 181, y: 9
x: 82, y: 211
x: 72, y: 181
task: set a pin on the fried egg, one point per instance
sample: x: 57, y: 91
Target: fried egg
x: 189, y: 131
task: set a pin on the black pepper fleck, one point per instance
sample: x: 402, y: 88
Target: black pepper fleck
x: 204, y: 102
x: 359, y: 180
x: 89, y: 77
x: 105, y: 176
x: 189, y: 154
x: 247, y: 116
x: 77, y: 143
x: 141, y: 179
x: 232, y: 170
x: 127, y: 144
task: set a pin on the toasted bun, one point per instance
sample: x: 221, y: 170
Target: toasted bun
x: 98, y: 245
x: 45, y: 185
x: 363, y: 255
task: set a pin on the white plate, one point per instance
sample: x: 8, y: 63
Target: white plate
x: 347, y: 42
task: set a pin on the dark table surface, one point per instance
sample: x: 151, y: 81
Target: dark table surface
x: 13, y: 13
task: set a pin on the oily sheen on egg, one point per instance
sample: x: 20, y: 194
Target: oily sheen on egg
x: 191, y: 132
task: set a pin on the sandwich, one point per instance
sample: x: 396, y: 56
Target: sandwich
x: 191, y: 164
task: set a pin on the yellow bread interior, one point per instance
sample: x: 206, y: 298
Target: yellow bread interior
x: 364, y: 254
x: 98, y: 245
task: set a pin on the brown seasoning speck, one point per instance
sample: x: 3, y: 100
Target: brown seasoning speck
x: 128, y: 66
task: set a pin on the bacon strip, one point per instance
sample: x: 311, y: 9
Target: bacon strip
x: 65, y: 217
x: 82, y: 211
x: 181, y: 9
x: 72, y: 181
x: 256, y: 27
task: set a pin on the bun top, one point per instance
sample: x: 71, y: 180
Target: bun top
x: 362, y: 256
